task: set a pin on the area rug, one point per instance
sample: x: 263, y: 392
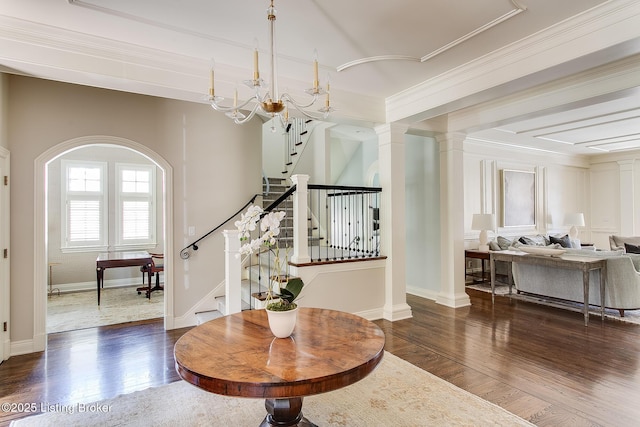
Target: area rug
x: 397, y: 393
x: 630, y: 316
x: 79, y: 310
x: 501, y: 288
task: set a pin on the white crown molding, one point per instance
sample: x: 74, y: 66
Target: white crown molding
x: 601, y: 27
x: 54, y: 53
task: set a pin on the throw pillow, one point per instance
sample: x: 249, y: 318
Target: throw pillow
x: 632, y: 249
x: 539, y: 240
x: 493, y: 245
x: 527, y: 241
x: 575, y: 243
x: 503, y: 242
x: 564, y: 241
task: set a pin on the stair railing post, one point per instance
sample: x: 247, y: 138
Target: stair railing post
x: 300, y: 223
x: 233, y: 272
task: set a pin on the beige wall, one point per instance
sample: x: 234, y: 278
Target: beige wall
x: 216, y: 168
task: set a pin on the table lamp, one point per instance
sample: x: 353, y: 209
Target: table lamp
x: 574, y: 220
x: 483, y: 222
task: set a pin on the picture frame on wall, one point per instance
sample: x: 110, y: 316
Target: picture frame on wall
x: 518, y: 198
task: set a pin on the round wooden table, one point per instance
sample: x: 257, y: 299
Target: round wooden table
x: 237, y: 355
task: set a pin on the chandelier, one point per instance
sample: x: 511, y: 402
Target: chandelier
x: 271, y: 102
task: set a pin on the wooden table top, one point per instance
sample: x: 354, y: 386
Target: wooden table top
x: 237, y: 355
x: 122, y: 256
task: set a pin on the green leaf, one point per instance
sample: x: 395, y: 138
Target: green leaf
x: 292, y: 289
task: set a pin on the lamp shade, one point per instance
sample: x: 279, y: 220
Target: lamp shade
x: 483, y: 222
x: 576, y: 219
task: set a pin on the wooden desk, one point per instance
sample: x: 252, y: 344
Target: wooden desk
x: 476, y: 254
x: 120, y: 259
x: 572, y: 262
x: 237, y: 355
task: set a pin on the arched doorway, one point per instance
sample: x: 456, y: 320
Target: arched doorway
x: 40, y: 214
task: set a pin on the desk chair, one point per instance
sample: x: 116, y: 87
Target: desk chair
x: 157, y: 265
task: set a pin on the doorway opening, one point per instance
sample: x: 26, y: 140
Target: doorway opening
x: 65, y: 280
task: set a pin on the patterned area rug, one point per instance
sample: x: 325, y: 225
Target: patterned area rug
x: 79, y: 310
x: 630, y: 316
x: 397, y: 393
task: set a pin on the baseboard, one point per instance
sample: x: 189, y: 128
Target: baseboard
x: 7, y: 348
x: 208, y: 303
x: 453, y: 300
x: 422, y: 293
x: 397, y: 312
x: 373, y: 314
x: 22, y: 347
x: 91, y: 286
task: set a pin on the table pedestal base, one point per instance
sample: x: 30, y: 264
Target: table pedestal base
x: 285, y: 413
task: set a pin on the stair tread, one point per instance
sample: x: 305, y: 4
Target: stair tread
x: 205, y: 316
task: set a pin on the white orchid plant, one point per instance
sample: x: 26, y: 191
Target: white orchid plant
x: 270, y: 228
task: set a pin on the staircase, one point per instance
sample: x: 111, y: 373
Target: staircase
x: 296, y: 136
x: 255, y: 276
x: 337, y: 210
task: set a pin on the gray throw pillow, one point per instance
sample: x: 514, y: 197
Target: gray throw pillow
x: 503, y: 242
x: 527, y: 241
x: 493, y: 245
x: 564, y: 241
x: 631, y: 249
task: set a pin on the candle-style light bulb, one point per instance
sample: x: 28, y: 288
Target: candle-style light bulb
x: 327, y: 101
x: 235, y: 97
x: 212, y: 78
x: 316, y: 82
x: 256, y: 71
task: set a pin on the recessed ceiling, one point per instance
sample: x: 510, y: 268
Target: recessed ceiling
x: 608, y: 126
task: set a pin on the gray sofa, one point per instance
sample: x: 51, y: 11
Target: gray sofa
x: 617, y: 242
x: 622, y: 290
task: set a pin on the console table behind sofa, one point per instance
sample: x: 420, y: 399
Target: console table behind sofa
x: 583, y: 266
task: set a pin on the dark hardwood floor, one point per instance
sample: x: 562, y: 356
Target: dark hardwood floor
x: 538, y: 362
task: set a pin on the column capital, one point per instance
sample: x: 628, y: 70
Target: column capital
x: 626, y: 165
x: 395, y: 131
x: 450, y: 141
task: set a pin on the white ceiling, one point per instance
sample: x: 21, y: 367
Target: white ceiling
x: 383, y: 50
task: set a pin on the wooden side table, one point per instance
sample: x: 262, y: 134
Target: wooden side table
x: 476, y: 254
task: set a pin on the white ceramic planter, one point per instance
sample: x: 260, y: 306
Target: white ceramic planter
x: 282, y: 323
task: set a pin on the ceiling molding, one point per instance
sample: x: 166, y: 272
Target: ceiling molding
x: 510, y: 14
x: 514, y: 12
x: 375, y: 59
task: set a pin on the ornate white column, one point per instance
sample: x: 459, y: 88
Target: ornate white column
x: 452, y: 292
x: 392, y: 218
x: 232, y: 272
x: 627, y: 204
x: 300, y: 224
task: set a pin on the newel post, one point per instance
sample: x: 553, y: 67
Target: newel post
x: 300, y: 224
x: 232, y: 272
